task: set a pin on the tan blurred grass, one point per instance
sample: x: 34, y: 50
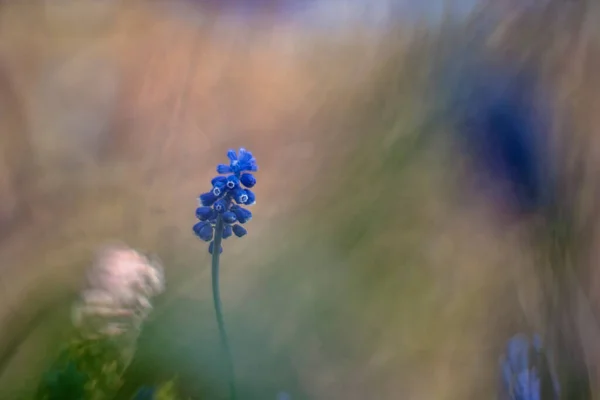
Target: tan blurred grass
x: 166, y: 95
x: 417, y: 314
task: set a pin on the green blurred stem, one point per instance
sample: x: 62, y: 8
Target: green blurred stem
x: 218, y: 306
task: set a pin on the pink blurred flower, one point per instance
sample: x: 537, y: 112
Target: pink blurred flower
x: 119, y: 288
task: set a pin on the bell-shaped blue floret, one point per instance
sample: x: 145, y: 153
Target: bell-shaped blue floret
x: 232, y: 182
x: 204, y: 230
x: 229, y: 217
x: 239, y: 195
x: 221, y: 206
x: 248, y: 180
x: 204, y: 213
x: 242, y: 214
x: 239, y: 230
x: 227, y: 231
x: 250, y: 197
x: 223, y: 169
x: 208, y: 199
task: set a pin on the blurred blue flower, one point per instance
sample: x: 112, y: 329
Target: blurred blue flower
x: 284, y: 396
x: 145, y: 393
x: 504, y: 130
x: 525, y: 372
x: 223, y: 202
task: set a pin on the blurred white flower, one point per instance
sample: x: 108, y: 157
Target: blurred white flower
x: 119, y: 288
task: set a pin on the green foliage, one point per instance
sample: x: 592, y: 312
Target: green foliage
x: 167, y: 391
x: 92, y: 369
x: 87, y: 369
x: 61, y: 383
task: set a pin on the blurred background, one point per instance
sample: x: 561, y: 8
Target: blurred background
x: 378, y: 264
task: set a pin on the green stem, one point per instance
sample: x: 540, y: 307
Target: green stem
x: 218, y: 307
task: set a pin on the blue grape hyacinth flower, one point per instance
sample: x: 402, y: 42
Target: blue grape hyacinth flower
x: 221, y: 215
x: 224, y: 203
x: 525, y: 371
